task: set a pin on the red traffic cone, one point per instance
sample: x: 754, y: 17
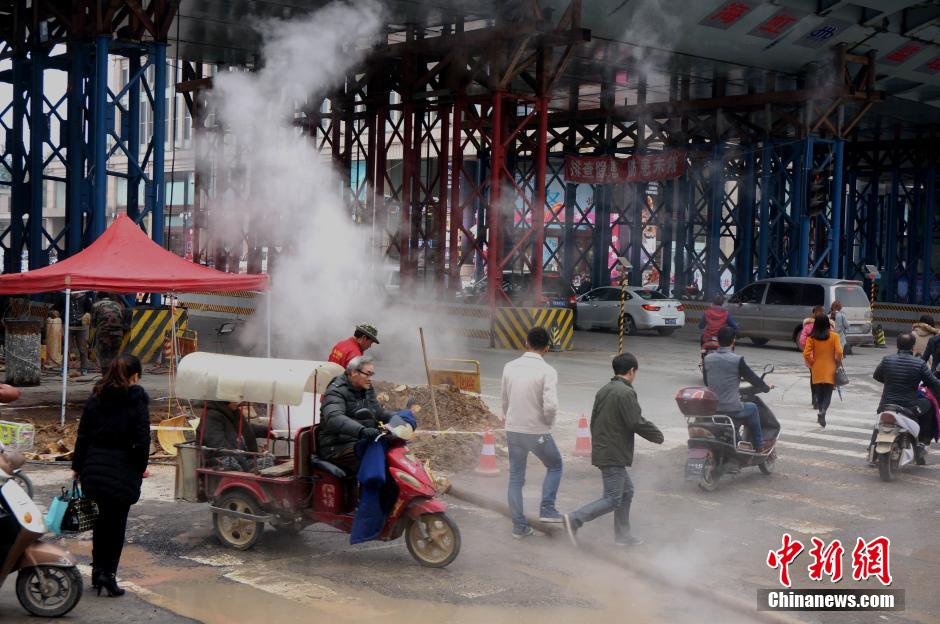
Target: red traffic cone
x: 582, y: 445
x: 487, y: 466
x: 146, y: 473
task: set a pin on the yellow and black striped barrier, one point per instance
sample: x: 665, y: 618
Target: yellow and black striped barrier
x: 510, y: 326
x: 149, y: 329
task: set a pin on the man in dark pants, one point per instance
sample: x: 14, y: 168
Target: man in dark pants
x: 615, y: 418
x: 901, y: 375
x: 341, y: 424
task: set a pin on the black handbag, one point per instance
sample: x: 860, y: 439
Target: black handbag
x: 81, y: 514
x: 842, y: 379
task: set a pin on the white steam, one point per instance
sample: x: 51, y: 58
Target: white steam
x: 294, y: 198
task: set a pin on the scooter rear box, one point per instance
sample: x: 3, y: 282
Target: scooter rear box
x: 697, y: 401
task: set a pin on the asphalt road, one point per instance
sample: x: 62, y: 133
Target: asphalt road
x: 715, y: 541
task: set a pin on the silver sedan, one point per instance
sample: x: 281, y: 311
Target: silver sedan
x: 644, y: 308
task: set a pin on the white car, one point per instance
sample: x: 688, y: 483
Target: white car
x: 643, y: 308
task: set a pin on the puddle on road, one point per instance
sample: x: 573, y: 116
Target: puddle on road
x: 239, y: 593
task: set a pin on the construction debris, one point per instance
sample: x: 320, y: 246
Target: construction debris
x: 464, y: 418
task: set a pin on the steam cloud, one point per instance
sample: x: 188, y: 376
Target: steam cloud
x: 323, y: 285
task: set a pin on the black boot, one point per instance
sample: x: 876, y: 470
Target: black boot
x: 108, y: 582
x: 95, y: 574
x: 821, y: 419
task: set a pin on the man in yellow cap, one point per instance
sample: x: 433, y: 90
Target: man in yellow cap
x: 364, y: 337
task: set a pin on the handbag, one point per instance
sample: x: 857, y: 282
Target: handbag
x: 81, y: 513
x: 56, y: 512
x: 842, y: 379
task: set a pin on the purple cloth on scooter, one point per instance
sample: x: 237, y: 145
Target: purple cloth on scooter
x: 370, y: 517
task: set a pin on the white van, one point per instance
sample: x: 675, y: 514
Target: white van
x: 774, y: 309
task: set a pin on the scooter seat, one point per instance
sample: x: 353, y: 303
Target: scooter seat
x: 319, y: 464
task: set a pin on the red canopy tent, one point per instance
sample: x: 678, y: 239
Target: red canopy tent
x: 125, y: 260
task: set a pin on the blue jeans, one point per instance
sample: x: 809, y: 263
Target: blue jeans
x: 542, y: 446
x: 751, y: 414
x: 617, y: 497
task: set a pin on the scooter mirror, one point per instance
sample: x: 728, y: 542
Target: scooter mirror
x: 769, y: 368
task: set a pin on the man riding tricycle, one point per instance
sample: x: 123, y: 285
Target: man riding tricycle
x: 298, y: 487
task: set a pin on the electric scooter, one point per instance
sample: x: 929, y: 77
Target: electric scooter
x: 48, y: 583
x: 718, y: 445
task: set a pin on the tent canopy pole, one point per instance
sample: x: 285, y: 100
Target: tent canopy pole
x: 65, y: 347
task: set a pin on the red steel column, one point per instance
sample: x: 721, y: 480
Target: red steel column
x: 456, y: 207
x: 497, y: 164
x: 440, y: 208
x: 538, y: 206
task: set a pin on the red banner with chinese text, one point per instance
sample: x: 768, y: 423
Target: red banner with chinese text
x: 610, y: 170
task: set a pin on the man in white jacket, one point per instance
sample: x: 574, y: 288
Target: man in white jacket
x: 530, y: 401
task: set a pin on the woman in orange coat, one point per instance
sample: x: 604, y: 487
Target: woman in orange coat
x: 823, y: 354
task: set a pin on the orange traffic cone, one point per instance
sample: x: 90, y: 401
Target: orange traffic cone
x: 582, y: 445
x: 487, y: 466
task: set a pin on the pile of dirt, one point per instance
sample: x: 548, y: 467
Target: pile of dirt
x: 451, y: 452
x: 458, y: 410
x: 464, y: 418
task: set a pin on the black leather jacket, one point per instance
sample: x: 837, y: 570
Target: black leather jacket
x: 339, y: 429
x: 901, y: 374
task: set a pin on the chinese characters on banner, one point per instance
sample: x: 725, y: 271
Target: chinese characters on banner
x: 869, y: 559
x: 778, y: 24
x: 609, y: 170
x: 728, y: 14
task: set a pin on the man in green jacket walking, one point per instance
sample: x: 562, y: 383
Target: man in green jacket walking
x: 615, y: 418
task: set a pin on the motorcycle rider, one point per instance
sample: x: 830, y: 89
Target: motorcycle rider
x: 716, y: 317
x: 901, y: 375
x: 340, y: 425
x: 724, y: 370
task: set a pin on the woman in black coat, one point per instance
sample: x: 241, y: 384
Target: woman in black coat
x: 111, y: 454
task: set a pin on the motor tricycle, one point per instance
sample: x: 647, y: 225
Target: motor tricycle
x: 719, y: 443
x: 48, y: 583
x: 300, y: 489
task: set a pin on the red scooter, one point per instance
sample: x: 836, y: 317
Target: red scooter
x: 296, y: 493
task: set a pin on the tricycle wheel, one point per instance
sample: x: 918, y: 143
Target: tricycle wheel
x: 49, y: 591
x: 233, y: 532
x: 433, y: 539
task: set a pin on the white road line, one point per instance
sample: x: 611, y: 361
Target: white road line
x: 798, y: 526
x: 827, y: 437
x: 849, y: 510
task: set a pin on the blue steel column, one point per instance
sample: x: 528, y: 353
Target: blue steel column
x: 891, y: 246
x: 929, y: 220
x: 159, y: 138
x: 666, y: 227
x: 18, y: 192
x: 713, y: 242
x: 75, y: 155
x: 745, y: 230
x: 37, y: 136
x: 799, y: 207
x: 600, y: 274
x: 763, y: 240
x: 835, y: 227
x: 680, y: 214
x: 638, y: 207
x: 849, y: 256
x: 98, y: 141
x: 133, y: 134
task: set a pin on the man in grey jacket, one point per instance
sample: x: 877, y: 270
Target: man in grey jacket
x: 530, y: 402
x: 615, y: 419
x: 724, y: 371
